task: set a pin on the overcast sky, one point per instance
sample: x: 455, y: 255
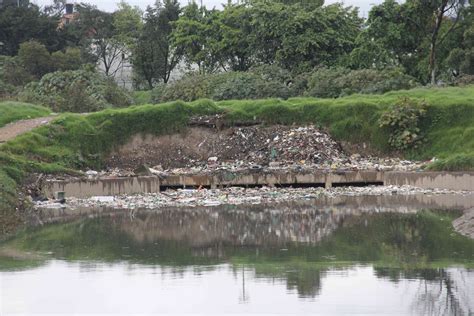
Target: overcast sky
x: 110, y: 5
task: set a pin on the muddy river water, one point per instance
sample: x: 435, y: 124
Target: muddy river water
x: 349, y: 257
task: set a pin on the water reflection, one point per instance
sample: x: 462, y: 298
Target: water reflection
x: 311, y: 253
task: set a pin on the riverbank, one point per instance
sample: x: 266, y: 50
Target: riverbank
x: 76, y: 142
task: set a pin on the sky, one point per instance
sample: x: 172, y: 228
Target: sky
x: 110, y: 5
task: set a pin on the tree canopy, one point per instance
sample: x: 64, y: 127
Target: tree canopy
x: 427, y: 40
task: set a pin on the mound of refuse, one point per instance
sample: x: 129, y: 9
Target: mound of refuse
x: 249, y: 145
x: 274, y: 146
x: 281, y: 143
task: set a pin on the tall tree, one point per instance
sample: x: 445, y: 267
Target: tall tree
x: 99, y: 38
x: 233, y: 33
x: 128, y: 24
x: 195, y: 33
x: 299, y: 37
x: 146, y: 57
x: 155, y: 56
x: 24, y: 23
x: 417, y: 33
x: 171, y: 55
x: 443, y: 10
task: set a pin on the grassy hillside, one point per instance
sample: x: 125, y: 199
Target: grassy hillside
x: 14, y: 111
x: 77, y: 141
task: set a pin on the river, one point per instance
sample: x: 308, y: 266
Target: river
x: 265, y: 259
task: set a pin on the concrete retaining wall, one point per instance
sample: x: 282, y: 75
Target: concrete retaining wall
x: 432, y: 180
x: 115, y: 186
x: 103, y: 187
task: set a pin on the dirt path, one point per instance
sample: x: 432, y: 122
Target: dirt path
x: 14, y: 129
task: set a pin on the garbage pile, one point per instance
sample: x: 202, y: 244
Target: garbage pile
x: 280, y: 143
x: 239, y: 148
x: 234, y: 196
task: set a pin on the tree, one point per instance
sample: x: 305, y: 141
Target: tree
x: 171, y: 55
x: 299, y: 37
x: 442, y: 9
x: 155, y: 56
x: 461, y: 58
x: 146, y: 57
x: 70, y: 59
x: 370, y: 53
x: 56, y: 8
x: 194, y: 33
x: 233, y: 33
x: 393, y: 27
x: 128, y: 24
x: 97, y: 35
x: 418, y: 34
x: 23, y: 23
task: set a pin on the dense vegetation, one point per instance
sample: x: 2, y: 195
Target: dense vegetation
x: 76, y: 91
x: 274, y: 82
x: 14, y: 111
x: 249, y: 49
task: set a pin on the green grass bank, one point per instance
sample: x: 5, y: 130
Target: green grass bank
x: 73, y: 142
x: 14, y: 111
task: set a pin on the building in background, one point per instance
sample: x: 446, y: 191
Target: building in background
x: 68, y: 16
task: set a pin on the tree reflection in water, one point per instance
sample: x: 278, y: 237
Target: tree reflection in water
x: 440, y: 291
x: 296, y: 246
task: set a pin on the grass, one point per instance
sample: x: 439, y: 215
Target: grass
x: 14, y: 111
x: 73, y: 142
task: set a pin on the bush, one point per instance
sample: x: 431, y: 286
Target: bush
x: 336, y: 82
x: 76, y: 91
x: 70, y: 59
x: 261, y: 82
x: 6, y: 89
x: 142, y: 97
x: 189, y: 88
x: 270, y: 81
x: 322, y: 83
x: 464, y: 80
x: 35, y: 58
x: 12, y: 72
x: 402, y: 121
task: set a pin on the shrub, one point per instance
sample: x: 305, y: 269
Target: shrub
x: 270, y: 81
x: 464, y: 80
x: 35, y: 58
x: 70, y: 59
x: 336, y: 82
x: 6, y: 89
x: 402, y: 122
x: 260, y: 82
x: 13, y: 73
x: 322, y: 83
x: 188, y: 88
x: 76, y: 91
x: 142, y: 97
